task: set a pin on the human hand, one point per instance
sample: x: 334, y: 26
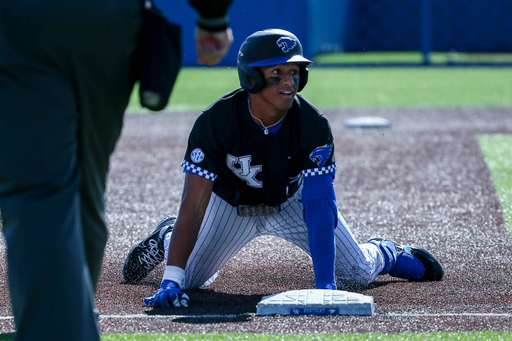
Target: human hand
x: 169, y: 295
x: 211, y: 47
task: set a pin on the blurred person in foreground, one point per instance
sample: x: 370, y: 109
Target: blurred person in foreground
x: 67, y: 69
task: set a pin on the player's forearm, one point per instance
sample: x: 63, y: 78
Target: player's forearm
x: 320, y: 214
x: 196, y: 196
x: 183, y: 240
x: 321, y: 240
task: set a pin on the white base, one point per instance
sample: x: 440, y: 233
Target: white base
x: 367, y: 122
x: 316, y: 302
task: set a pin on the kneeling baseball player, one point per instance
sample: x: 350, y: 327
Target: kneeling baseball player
x: 260, y: 161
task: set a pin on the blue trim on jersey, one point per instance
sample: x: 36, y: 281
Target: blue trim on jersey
x: 319, y: 171
x: 320, y: 214
x: 193, y: 169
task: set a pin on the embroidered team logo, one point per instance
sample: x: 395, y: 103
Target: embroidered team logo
x: 286, y: 44
x: 197, y: 155
x: 241, y: 167
x: 321, y: 154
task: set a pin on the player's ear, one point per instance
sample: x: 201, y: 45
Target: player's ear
x: 251, y: 80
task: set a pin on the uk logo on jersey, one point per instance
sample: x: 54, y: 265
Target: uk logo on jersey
x: 197, y: 155
x: 286, y: 44
x: 321, y: 154
x: 241, y: 167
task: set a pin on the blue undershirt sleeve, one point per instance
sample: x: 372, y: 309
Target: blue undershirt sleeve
x: 320, y: 214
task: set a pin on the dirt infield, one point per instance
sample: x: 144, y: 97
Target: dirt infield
x: 423, y: 181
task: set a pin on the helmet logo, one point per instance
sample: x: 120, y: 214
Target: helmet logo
x: 286, y: 44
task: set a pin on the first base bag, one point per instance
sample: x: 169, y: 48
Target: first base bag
x: 160, y: 53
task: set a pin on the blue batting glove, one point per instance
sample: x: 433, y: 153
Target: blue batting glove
x: 169, y: 295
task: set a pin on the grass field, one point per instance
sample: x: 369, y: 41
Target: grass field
x: 320, y: 337
x: 497, y: 150
x: 412, y: 57
x: 198, y: 87
x: 449, y: 336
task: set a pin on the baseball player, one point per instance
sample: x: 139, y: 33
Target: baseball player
x: 260, y: 161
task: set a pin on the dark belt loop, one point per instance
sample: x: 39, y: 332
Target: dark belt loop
x: 255, y: 211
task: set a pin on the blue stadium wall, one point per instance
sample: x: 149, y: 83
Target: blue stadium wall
x: 362, y: 25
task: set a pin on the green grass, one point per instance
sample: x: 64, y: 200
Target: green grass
x: 497, y: 150
x: 198, y: 87
x: 448, y: 336
x: 491, y: 336
x: 409, y: 87
x: 412, y: 57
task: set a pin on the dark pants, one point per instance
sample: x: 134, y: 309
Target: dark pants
x: 65, y: 80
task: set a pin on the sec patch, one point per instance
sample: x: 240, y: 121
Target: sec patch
x: 197, y: 155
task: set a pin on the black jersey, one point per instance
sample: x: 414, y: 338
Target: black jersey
x: 249, y: 167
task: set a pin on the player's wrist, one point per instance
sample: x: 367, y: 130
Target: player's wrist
x: 174, y: 273
x: 217, y: 24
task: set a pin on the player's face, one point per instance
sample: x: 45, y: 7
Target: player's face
x: 281, y: 85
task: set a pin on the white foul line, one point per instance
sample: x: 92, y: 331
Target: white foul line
x: 506, y: 315
x: 135, y: 316
x: 146, y: 316
x: 449, y: 314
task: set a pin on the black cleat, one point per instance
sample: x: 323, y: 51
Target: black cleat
x: 146, y: 255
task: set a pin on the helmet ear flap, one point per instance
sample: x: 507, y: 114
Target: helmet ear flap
x: 303, y: 77
x: 246, y: 77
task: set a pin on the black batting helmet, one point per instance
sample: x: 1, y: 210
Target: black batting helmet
x: 265, y: 48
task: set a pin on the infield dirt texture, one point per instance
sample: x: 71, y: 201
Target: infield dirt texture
x: 423, y: 182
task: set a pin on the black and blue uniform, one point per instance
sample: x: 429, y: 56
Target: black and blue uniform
x: 271, y: 183
x: 251, y: 168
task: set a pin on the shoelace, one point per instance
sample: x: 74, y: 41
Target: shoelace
x: 153, y: 256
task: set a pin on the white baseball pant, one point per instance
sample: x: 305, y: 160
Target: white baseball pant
x: 224, y: 233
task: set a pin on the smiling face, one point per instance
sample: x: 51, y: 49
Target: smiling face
x: 281, y: 85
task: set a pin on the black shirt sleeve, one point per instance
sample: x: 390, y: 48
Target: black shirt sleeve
x: 212, y: 14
